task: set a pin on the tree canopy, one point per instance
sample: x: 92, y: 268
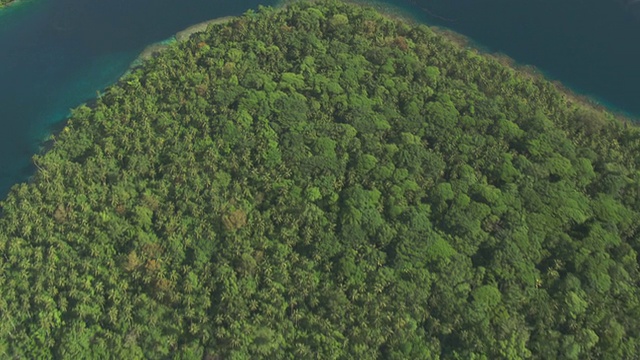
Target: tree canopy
x: 322, y: 181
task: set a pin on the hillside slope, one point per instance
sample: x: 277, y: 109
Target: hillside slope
x: 324, y: 182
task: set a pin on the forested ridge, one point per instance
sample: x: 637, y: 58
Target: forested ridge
x: 321, y: 181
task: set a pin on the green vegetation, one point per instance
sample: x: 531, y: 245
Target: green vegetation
x: 4, y: 3
x: 324, y: 182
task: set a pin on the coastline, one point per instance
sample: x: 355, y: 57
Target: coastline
x: 183, y: 35
x: 10, y: 3
x: 573, y: 96
x: 48, y: 140
x: 201, y: 27
x: 535, y: 73
x: 148, y: 52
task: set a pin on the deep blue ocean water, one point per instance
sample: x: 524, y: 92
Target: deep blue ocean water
x: 57, y: 54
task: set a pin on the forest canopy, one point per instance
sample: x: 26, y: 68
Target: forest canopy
x: 322, y: 181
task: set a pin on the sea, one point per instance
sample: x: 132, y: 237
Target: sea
x: 58, y: 54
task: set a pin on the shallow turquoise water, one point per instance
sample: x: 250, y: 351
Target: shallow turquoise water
x: 56, y: 54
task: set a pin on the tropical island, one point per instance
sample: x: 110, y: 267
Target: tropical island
x: 322, y: 181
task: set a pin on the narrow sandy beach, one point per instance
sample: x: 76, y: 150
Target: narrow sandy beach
x: 183, y: 35
x: 186, y: 33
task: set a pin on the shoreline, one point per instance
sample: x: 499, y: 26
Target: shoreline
x: 573, y: 96
x: 9, y: 4
x: 396, y: 14
x: 147, y: 53
x: 2, y: 6
x: 12, y: 4
x: 202, y: 27
x: 48, y: 140
x: 182, y: 35
x: 393, y: 13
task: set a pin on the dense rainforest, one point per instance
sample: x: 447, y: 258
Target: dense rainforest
x: 322, y: 181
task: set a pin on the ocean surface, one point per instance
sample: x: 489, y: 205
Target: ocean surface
x: 57, y: 54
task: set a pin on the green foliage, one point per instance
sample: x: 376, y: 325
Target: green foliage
x: 321, y: 181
